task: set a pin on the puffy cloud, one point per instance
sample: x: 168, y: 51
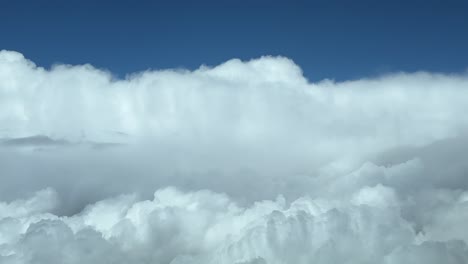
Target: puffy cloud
x: 206, y: 227
x: 266, y: 166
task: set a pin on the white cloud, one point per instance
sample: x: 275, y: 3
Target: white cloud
x: 363, y: 171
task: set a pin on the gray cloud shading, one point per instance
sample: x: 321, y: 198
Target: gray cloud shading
x: 245, y: 162
x: 37, y: 140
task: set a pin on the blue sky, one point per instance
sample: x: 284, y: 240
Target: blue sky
x: 329, y: 39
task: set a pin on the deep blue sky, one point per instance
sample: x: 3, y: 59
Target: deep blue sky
x: 328, y: 39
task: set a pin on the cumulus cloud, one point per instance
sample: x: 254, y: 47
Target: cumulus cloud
x: 245, y: 162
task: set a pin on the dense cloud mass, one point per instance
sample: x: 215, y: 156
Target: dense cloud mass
x: 245, y: 162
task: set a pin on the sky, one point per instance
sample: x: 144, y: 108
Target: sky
x: 338, y: 40
x: 233, y: 133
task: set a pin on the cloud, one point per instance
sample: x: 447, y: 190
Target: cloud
x: 251, y: 163
x: 34, y: 141
x: 206, y: 227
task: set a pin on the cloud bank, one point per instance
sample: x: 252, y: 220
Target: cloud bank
x: 245, y: 162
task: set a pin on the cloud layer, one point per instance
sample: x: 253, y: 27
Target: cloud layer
x: 245, y: 162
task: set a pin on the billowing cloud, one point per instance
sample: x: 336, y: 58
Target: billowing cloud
x: 245, y: 162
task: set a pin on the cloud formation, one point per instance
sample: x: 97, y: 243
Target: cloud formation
x: 245, y: 162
